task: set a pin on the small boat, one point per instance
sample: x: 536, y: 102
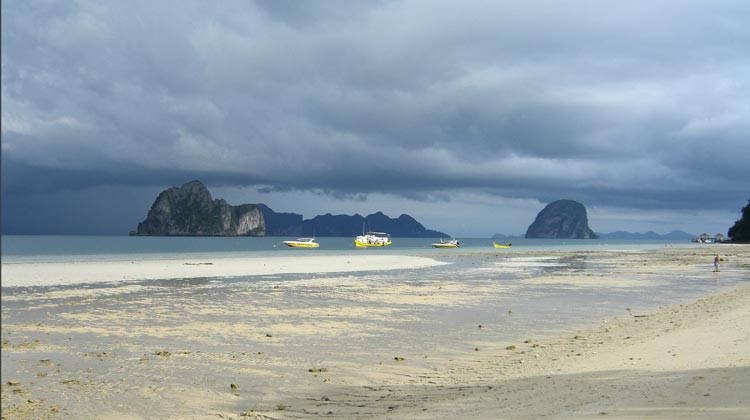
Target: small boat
x: 501, y: 245
x: 372, y: 239
x: 447, y: 243
x: 302, y: 243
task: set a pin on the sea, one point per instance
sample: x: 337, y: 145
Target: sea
x: 41, y: 248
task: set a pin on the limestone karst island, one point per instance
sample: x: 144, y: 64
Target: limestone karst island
x: 562, y: 219
x: 190, y: 210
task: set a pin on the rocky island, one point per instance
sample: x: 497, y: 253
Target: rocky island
x: 190, y: 210
x: 562, y: 219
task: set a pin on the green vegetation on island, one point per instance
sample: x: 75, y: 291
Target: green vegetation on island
x: 740, y: 232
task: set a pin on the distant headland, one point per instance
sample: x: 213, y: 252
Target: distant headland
x: 189, y: 210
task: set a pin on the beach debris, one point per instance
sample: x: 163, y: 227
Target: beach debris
x: 579, y: 337
x: 510, y: 313
x: 476, y: 348
x: 480, y: 326
x: 163, y: 353
x: 269, y: 335
x: 527, y: 341
x: 511, y: 347
x: 71, y: 382
x: 399, y: 359
x: 234, y: 387
x: 14, y: 383
x: 317, y: 370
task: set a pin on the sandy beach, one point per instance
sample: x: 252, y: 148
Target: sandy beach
x: 362, y: 343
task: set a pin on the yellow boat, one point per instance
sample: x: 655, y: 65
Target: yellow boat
x: 302, y: 243
x: 501, y: 245
x: 372, y: 239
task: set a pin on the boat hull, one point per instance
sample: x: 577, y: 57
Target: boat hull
x: 445, y: 246
x: 293, y: 244
x: 500, y: 245
x: 359, y: 244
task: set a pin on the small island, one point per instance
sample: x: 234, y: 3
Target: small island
x: 562, y: 219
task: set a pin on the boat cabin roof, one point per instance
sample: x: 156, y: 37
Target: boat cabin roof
x: 377, y: 234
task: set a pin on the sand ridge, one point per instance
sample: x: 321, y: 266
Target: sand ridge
x: 71, y: 272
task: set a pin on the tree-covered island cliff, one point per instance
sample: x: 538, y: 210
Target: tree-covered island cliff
x: 190, y: 210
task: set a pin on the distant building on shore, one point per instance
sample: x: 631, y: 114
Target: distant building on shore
x: 705, y: 238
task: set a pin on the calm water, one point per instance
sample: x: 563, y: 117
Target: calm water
x: 84, y: 248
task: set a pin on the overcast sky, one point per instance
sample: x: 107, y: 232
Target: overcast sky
x: 468, y: 115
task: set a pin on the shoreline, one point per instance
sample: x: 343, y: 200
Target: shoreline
x: 687, y: 361
x: 353, y: 347
x: 73, y: 272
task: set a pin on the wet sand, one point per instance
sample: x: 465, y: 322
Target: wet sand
x: 352, y: 346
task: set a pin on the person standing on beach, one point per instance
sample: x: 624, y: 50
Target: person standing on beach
x: 716, y: 263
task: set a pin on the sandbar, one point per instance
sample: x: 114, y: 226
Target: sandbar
x: 72, y: 272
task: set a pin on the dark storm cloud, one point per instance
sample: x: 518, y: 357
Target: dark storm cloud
x: 618, y: 104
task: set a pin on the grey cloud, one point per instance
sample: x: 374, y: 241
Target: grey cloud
x: 618, y: 104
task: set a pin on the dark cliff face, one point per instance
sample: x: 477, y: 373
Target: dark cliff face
x: 562, y: 219
x: 190, y: 211
x: 740, y: 231
x: 342, y: 225
x: 329, y: 225
x: 281, y: 224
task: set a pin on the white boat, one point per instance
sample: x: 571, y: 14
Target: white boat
x: 302, y: 243
x: 447, y: 243
x: 372, y: 239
